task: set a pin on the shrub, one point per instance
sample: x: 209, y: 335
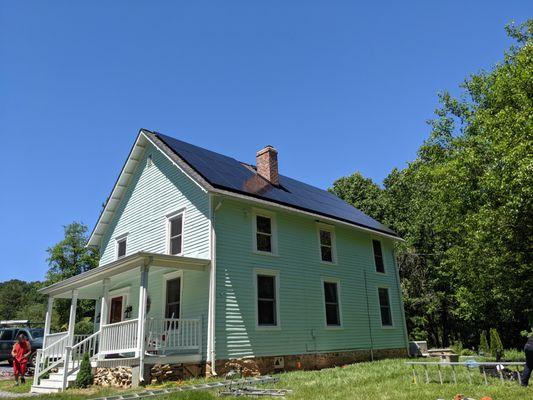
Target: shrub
x: 496, y: 346
x: 457, y: 347
x: 484, y: 348
x: 85, y: 374
x: 514, y: 355
x: 84, y: 327
x: 468, y: 352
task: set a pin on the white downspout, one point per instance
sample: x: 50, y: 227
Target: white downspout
x: 211, y: 322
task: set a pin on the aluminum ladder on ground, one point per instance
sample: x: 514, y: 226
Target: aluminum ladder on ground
x: 204, y: 386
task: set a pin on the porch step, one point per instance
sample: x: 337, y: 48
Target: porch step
x: 58, y: 376
x: 54, y: 382
x: 43, y: 389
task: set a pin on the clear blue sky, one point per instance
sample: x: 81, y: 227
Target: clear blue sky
x: 336, y: 86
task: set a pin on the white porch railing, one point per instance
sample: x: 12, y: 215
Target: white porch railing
x: 50, y: 356
x: 120, y: 337
x: 52, y: 338
x: 167, y: 334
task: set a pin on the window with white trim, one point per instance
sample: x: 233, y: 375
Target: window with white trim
x: 378, y: 256
x: 175, y: 234
x: 332, y: 305
x: 173, y: 298
x: 327, y: 251
x: 121, y: 247
x: 264, y: 232
x: 384, y: 306
x: 266, y: 300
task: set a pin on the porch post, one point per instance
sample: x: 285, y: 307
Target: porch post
x: 72, y: 317
x: 141, y: 319
x: 48, y: 319
x: 103, y: 311
x: 105, y: 301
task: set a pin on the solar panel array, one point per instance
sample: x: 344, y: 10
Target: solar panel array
x: 224, y: 172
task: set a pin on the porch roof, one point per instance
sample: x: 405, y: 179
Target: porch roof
x: 125, y: 264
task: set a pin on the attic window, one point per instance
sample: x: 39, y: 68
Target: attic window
x: 121, y: 247
x: 149, y: 161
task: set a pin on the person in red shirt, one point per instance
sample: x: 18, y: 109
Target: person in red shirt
x: 20, y: 353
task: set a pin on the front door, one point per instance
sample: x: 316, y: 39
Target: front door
x: 115, y: 312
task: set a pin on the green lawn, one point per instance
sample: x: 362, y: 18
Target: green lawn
x: 380, y: 380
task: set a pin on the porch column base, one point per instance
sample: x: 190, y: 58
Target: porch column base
x: 139, y: 375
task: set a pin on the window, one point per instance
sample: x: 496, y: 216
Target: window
x: 121, y: 247
x: 264, y: 224
x: 266, y: 300
x: 264, y: 233
x: 331, y: 300
x: 175, y: 234
x: 7, y: 334
x: 378, y: 256
x: 327, y: 248
x: 384, y: 304
x: 173, y: 298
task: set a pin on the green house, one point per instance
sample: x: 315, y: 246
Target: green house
x: 207, y: 261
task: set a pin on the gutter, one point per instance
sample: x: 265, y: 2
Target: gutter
x: 331, y: 220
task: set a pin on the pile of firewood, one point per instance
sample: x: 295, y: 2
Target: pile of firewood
x: 165, y: 372
x: 113, y: 377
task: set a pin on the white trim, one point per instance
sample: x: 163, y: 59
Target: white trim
x: 123, y: 292
x: 168, y: 219
x: 172, y: 161
x: 391, y: 326
x: 339, y: 302
x: 331, y: 229
x: 119, y: 239
x: 273, y: 228
x: 168, y: 277
x: 254, y: 200
x: 267, y: 272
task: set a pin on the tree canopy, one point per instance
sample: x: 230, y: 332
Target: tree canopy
x: 464, y: 207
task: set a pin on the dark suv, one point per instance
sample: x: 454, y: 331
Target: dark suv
x: 8, y: 336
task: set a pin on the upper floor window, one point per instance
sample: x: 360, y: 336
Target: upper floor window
x: 121, y: 247
x: 378, y: 256
x: 175, y: 234
x: 384, y: 305
x: 264, y: 233
x: 331, y: 301
x: 267, y: 307
x: 326, y: 237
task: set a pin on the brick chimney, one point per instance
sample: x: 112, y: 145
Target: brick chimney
x: 267, y: 164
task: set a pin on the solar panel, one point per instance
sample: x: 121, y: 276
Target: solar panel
x: 227, y: 173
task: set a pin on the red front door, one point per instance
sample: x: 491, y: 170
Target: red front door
x: 115, y: 312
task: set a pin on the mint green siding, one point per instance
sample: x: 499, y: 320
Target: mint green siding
x: 154, y: 192
x: 301, y: 303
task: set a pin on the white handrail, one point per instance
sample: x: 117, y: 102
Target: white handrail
x: 75, y: 354
x: 50, y: 357
x: 51, y: 338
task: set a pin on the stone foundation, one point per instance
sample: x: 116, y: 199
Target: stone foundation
x: 160, y: 373
x: 245, y: 367
x: 266, y: 365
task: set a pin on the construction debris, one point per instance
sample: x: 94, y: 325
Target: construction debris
x: 224, y: 385
x: 251, y: 391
